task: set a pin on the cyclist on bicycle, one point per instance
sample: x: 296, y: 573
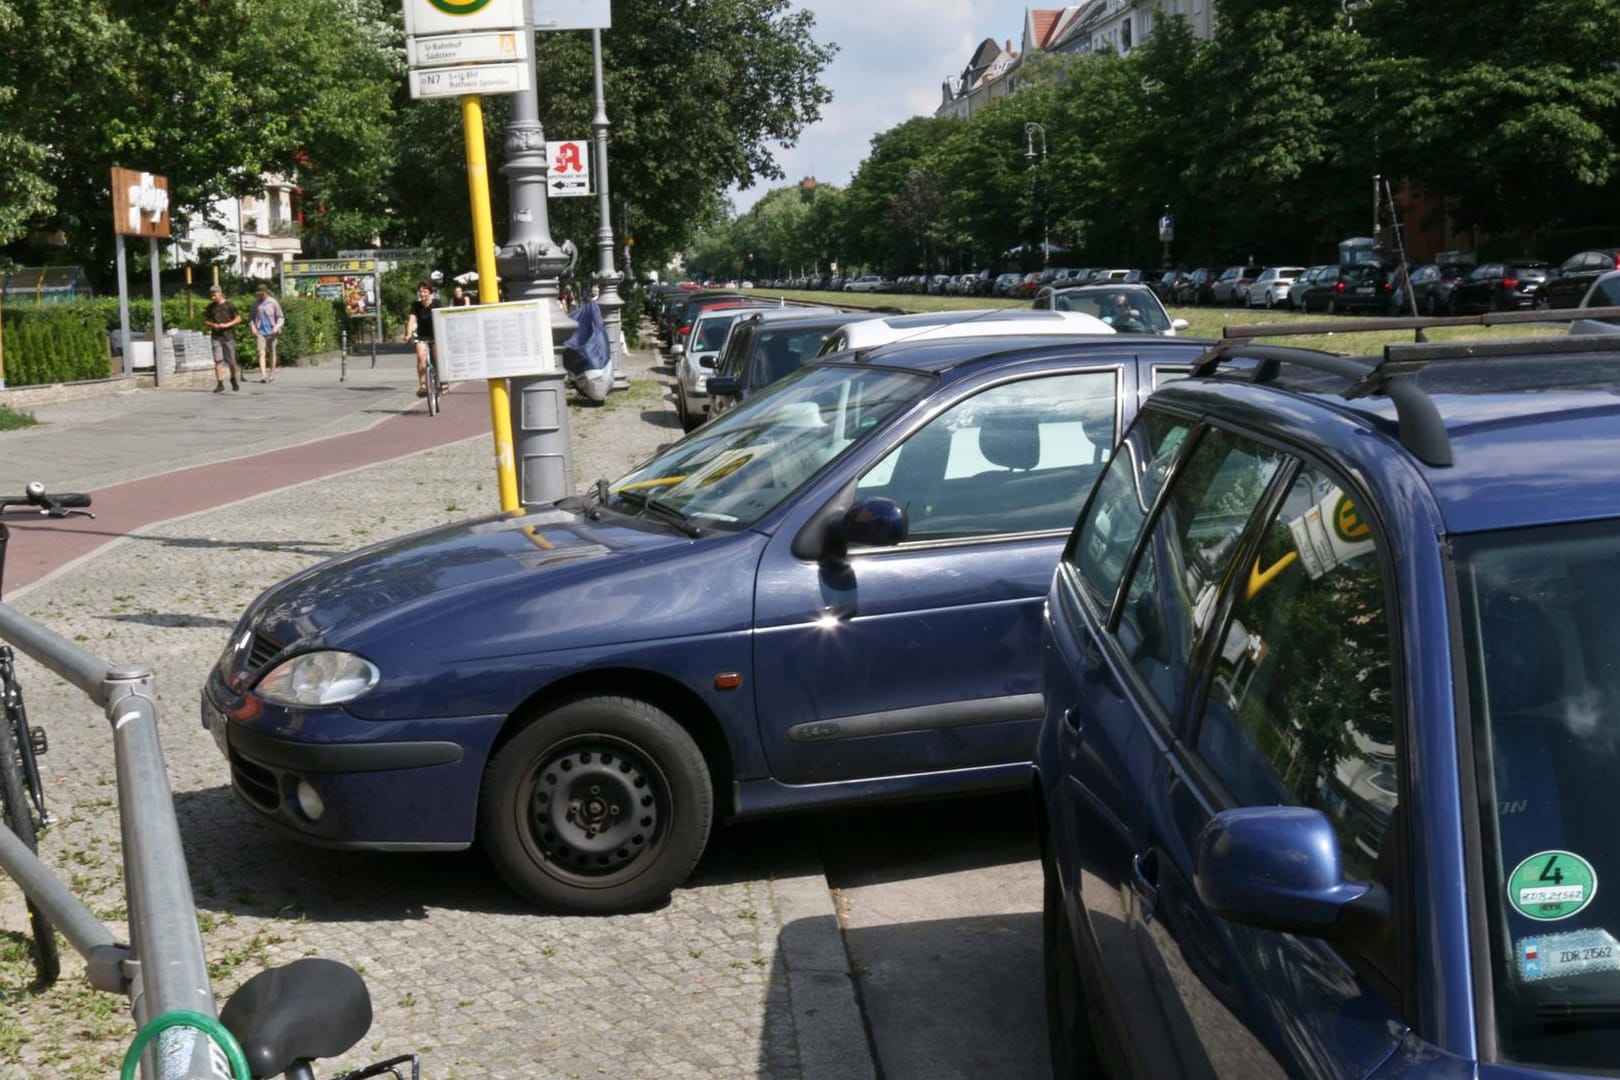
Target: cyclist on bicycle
x: 419, y: 329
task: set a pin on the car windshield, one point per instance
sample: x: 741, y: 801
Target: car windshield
x: 784, y: 349
x: 739, y: 467
x: 1128, y: 309
x: 1541, y: 633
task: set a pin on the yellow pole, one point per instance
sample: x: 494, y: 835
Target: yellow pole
x: 472, y: 123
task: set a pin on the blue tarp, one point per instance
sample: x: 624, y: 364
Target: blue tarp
x: 588, y: 349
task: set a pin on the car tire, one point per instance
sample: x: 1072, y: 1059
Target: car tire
x: 1069, y: 1033
x: 1271, y: 301
x: 599, y: 806
x: 1332, y: 306
x: 683, y: 410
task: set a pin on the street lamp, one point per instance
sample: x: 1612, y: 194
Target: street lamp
x: 1031, y: 129
x: 1167, y: 232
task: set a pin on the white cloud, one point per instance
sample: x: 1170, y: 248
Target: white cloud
x: 892, y: 57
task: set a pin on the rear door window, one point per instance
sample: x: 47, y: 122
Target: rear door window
x: 1119, y: 508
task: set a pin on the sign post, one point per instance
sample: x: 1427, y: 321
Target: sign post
x: 467, y: 48
x: 140, y: 208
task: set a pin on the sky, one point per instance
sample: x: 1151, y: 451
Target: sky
x: 892, y: 57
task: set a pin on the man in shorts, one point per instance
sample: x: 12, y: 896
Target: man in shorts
x: 266, y: 319
x: 221, y: 318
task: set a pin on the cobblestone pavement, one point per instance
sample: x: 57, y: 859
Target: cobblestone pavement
x: 742, y: 974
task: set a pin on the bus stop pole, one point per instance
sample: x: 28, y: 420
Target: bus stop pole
x: 472, y: 123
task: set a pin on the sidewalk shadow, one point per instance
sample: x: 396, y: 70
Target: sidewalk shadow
x: 940, y: 998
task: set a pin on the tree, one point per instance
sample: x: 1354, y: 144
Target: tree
x: 1511, y: 110
x: 880, y: 180
x: 208, y: 94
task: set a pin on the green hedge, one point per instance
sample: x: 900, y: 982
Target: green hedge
x: 68, y: 342
x: 53, y: 343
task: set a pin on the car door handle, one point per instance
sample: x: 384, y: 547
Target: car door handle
x: 1145, y: 882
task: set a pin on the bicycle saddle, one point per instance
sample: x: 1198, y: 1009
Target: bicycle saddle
x: 308, y: 1009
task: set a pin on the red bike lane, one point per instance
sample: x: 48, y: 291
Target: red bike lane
x: 41, y: 545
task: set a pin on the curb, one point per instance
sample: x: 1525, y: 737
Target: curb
x: 828, y: 1021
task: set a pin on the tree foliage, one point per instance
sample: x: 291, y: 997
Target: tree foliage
x: 1264, y: 140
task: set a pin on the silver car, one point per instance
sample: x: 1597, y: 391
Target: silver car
x: 1270, y: 289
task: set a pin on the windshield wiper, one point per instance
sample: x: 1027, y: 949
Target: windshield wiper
x: 663, y: 510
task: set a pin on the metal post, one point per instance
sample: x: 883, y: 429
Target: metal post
x: 123, y: 302
x: 157, y: 313
x: 530, y: 264
x: 606, y: 276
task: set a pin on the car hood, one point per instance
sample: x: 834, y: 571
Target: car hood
x: 508, y: 584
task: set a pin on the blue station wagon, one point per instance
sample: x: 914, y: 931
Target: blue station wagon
x: 1332, y: 719
x: 829, y: 595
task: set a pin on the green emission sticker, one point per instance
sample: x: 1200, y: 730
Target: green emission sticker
x: 1551, y: 885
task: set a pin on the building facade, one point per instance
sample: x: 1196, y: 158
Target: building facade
x: 257, y: 233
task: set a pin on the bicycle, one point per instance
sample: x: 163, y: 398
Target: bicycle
x: 22, y: 794
x: 430, y: 371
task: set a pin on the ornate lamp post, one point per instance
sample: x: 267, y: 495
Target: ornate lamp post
x: 607, y: 277
x: 1032, y: 129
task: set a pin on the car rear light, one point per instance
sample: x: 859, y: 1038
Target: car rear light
x: 1510, y: 283
x: 685, y: 330
x: 1338, y: 286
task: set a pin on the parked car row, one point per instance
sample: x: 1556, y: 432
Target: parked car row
x: 1305, y: 658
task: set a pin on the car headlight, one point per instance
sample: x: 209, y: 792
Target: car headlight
x: 318, y: 678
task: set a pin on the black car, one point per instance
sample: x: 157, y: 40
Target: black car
x: 1432, y: 284
x: 1194, y: 288
x: 1360, y: 288
x: 765, y: 347
x: 1500, y: 286
x: 1566, y: 285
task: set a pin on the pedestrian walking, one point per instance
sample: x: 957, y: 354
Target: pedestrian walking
x: 459, y: 298
x: 266, y: 319
x: 222, y: 319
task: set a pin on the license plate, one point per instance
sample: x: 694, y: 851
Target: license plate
x: 214, y: 720
x: 1367, y: 289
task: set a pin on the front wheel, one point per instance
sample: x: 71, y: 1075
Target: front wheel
x: 601, y: 806
x: 19, y: 818
x: 433, y: 389
x: 684, y: 410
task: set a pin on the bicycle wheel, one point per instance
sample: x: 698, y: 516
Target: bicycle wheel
x: 20, y: 820
x: 432, y: 387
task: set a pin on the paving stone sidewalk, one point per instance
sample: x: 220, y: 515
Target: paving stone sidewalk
x: 742, y: 974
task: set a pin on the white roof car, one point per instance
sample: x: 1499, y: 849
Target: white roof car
x: 978, y: 322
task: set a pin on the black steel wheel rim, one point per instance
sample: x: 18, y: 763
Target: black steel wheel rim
x: 595, y: 808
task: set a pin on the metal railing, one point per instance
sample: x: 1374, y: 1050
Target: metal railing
x: 162, y: 970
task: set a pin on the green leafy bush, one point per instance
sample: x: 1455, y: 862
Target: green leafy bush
x: 53, y: 343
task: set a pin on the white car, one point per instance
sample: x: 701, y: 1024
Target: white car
x: 1605, y: 292
x: 979, y: 322
x: 1127, y: 309
x: 1270, y: 289
x: 866, y: 283
x: 696, y: 360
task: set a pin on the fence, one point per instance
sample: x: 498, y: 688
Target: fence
x: 172, y: 987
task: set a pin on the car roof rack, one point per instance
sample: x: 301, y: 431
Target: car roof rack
x: 1418, y: 422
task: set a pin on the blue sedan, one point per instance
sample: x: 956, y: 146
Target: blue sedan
x: 829, y: 596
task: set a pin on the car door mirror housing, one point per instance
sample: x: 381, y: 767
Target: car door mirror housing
x: 874, y: 521
x: 1178, y: 325
x: 677, y: 350
x: 1279, y: 868
x: 724, y: 385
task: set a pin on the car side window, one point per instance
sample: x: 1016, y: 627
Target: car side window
x: 1125, y: 495
x: 1301, y: 703
x: 1172, y: 591
x: 1019, y: 457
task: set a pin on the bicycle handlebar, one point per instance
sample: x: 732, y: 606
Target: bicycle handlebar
x: 67, y: 504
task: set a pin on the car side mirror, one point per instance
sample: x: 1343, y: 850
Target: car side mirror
x: 1178, y: 325
x: 874, y: 521
x: 1280, y: 868
x: 677, y: 351
x: 724, y: 385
